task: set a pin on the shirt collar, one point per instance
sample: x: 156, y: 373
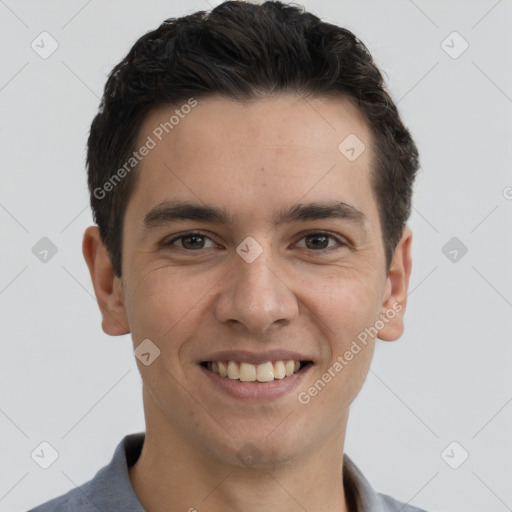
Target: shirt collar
x: 360, y: 495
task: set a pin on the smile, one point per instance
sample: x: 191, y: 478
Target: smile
x: 247, y: 372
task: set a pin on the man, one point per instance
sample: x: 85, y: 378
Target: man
x: 251, y: 181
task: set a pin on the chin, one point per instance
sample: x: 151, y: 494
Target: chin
x: 251, y: 450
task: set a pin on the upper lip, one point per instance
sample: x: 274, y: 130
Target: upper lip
x: 245, y: 356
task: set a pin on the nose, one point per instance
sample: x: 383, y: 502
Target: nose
x: 256, y: 297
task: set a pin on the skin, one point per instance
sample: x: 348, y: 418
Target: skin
x: 250, y: 158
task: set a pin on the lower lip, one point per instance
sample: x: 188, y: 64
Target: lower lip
x: 256, y: 390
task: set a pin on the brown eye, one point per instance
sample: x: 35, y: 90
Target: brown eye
x: 320, y: 242
x: 317, y: 241
x: 191, y: 242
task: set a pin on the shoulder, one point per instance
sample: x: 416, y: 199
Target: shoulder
x: 74, y: 500
x: 109, y: 490
x: 364, y: 498
x: 393, y: 505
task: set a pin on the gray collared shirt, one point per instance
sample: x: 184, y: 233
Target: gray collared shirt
x: 111, y: 491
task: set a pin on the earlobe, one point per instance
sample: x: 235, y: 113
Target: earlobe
x: 107, y: 287
x: 397, y: 284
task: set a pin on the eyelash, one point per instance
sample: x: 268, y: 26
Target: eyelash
x: 341, y: 243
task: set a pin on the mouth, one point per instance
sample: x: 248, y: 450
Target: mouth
x: 256, y: 373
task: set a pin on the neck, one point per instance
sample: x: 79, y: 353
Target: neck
x: 175, y: 474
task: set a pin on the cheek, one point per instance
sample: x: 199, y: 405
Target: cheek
x: 345, y: 309
x: 162, y: 303
x: 345, y: 304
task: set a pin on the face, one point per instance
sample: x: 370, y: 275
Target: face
x: 252, y: 245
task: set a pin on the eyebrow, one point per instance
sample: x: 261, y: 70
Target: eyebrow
x: 170, y: 211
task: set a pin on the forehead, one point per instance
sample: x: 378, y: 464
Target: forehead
x: 256, y: 156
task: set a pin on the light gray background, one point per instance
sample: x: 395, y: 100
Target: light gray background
x: 448, y: 379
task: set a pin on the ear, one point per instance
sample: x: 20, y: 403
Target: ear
x: 107, y: 286
x: 397, y: 284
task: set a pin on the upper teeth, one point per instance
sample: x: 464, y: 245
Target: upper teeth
x: 248, y: 372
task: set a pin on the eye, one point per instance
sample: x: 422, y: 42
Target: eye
x: 191, y: 242
x: 320, y: 241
